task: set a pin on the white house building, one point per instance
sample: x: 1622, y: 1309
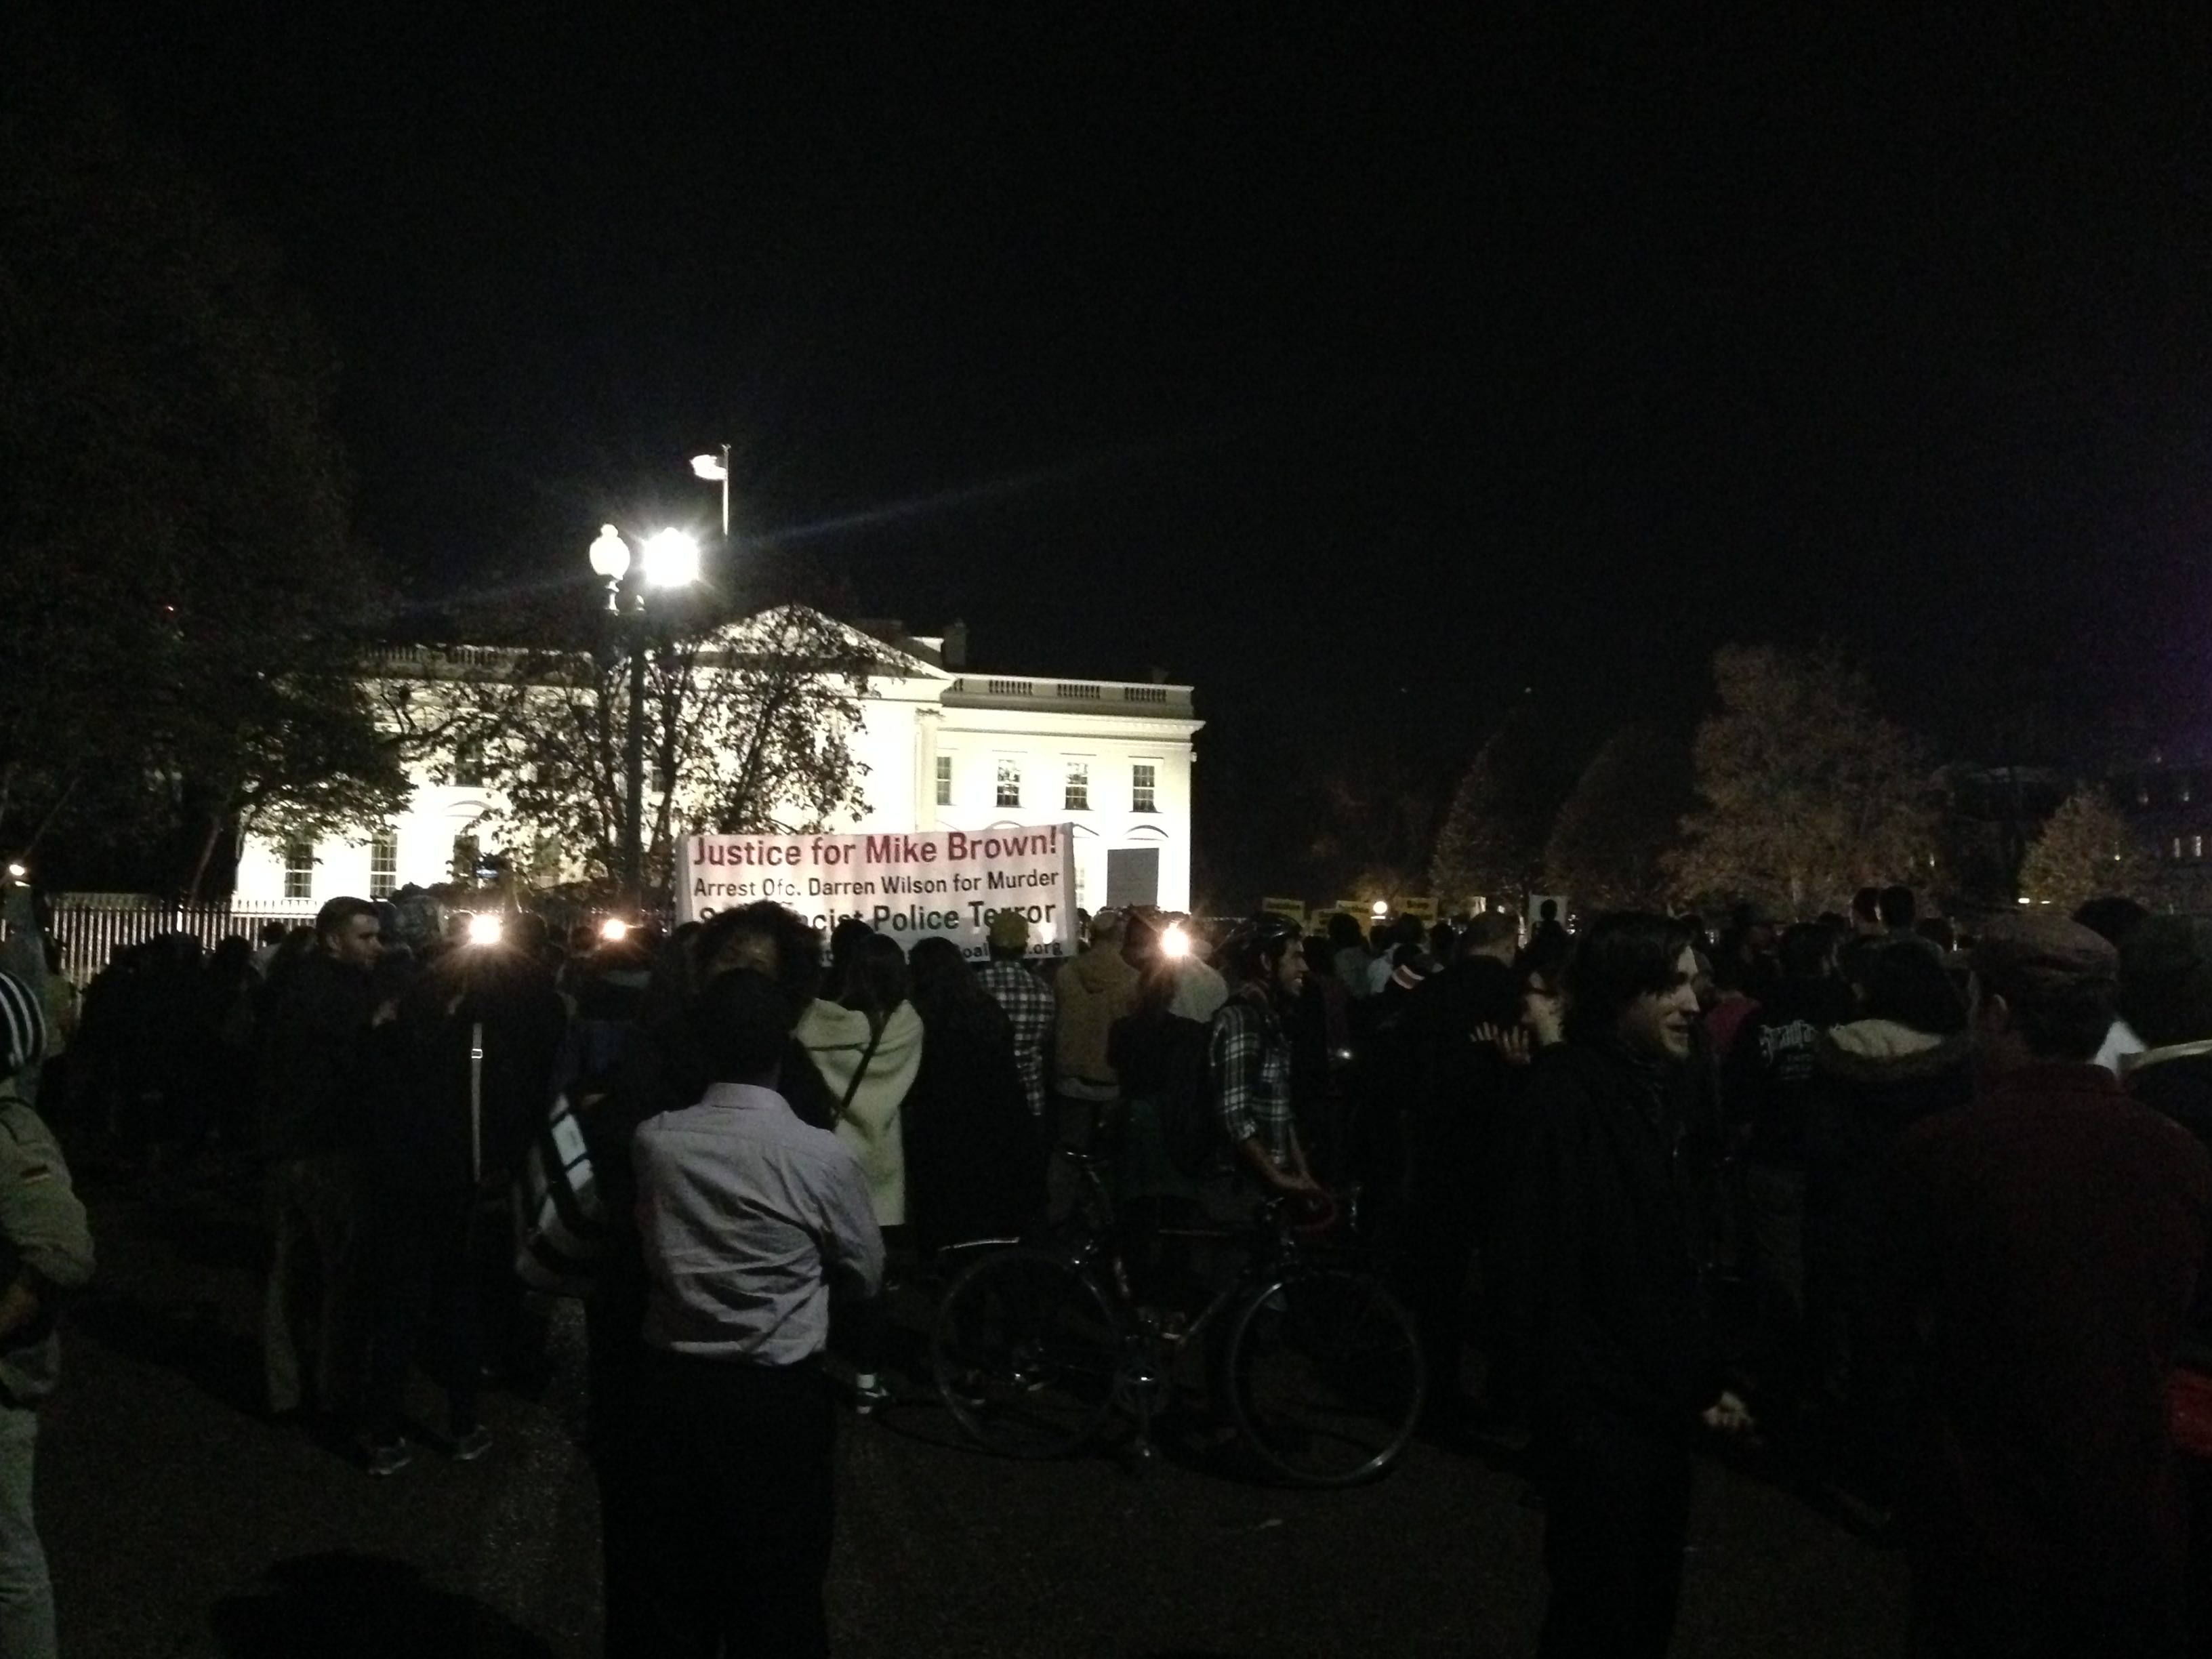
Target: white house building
x: 945, y: 748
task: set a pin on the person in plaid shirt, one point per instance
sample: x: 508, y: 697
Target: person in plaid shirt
x: 1026, y: 998
x: 1249, y: 1054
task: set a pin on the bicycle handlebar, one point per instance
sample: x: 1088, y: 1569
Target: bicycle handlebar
x: 1320, y: 1213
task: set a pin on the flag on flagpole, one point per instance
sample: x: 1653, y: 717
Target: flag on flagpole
x: 710, y: 467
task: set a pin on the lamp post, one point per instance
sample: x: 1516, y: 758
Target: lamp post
x: 671, y: 559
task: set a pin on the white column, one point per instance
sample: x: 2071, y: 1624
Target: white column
x: 925, y: 767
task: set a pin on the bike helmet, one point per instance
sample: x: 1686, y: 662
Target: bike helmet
x: 1258, y: 940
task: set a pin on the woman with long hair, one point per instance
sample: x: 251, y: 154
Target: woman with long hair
x: 867, y: 1046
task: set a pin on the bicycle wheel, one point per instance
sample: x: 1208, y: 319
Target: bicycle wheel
x: 1325, y: 1377
x: 1025, y: 1349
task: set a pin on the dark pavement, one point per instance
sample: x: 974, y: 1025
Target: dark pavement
x: 181, y: 1524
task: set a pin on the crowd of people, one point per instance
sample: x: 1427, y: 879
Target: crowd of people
x: 1919, y: 1216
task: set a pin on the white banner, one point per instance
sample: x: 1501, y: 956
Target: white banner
x: 924, y: 883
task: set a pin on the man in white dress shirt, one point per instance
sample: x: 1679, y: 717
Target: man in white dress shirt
x: 748, y: 1220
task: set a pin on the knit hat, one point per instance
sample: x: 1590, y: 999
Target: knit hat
x: 2042, y: 956
x: 1010, y: 931
x: 22, y: 1025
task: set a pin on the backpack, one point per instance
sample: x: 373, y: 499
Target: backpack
x: 1190, y: 1131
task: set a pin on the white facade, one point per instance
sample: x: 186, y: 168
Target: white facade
x: 944, y: 749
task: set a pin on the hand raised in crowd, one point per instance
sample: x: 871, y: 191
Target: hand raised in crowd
x: 1728, y: 1415
x: 1512, y: 1042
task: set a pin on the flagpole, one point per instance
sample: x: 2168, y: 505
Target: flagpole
x: 706, y: 466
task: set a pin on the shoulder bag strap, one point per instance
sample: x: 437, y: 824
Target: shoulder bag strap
x: 475, y: 1104
x: 875, y: 1037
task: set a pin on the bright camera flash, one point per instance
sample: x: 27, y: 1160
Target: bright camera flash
x: 614, y: 928
x: 484, y: 929
x: 672, y: 560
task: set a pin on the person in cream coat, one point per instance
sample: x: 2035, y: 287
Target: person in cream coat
x: 867, y: 1046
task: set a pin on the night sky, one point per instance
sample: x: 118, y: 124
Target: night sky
x: 1364, y: 368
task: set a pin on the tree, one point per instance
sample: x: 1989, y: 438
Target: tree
x: 1492, y: 834
x: 1805, y: 793
x: 1369, y: 828
x: 746, y: 726
x: 177, y: 572
x: 2085, y: 851
x: 1609, y: 843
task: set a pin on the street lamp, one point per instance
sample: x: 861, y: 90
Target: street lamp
x: 671, y: 559
x: 610, y: 559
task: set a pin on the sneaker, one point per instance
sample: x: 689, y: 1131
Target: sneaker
x: 869, y: 1396
x: 390, y: 1459
x: 472, y: 1445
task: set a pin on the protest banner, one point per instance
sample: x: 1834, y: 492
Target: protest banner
x: 1294, y: 908
x: 911, y: 885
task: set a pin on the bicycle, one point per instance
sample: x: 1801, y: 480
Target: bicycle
x: 1034, y: 1347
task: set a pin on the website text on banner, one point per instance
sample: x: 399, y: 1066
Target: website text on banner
x: 942, y: 884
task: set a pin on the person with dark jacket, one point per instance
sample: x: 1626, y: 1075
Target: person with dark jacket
x: 1905, y: 1058
x: 1459, y: 1110
x: 45, y: 1253
x: 973, y: 1168
x: 2166, y: 1003
x: 465, y: 1070
x: 313, y: 1091
x: 2165, y: 996
x: 1622, y: 1366
x: 1766, y: 1083
x: 1148, y: 1047
x: 2043, y: 1245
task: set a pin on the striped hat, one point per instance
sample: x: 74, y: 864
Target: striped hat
x: 22, y: 1025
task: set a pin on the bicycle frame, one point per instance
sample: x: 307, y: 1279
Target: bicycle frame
x: 1151, y: 1338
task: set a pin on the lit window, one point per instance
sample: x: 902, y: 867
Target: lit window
x: 944, y: 780
x: 2196, y: 847
x: 466, y: 855
x: 468, y: 765
x: 1144, y: 787
x: 1078, y: 799
x: 299, y: 870
x: 384, y: 863
x: 1010, y: 783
